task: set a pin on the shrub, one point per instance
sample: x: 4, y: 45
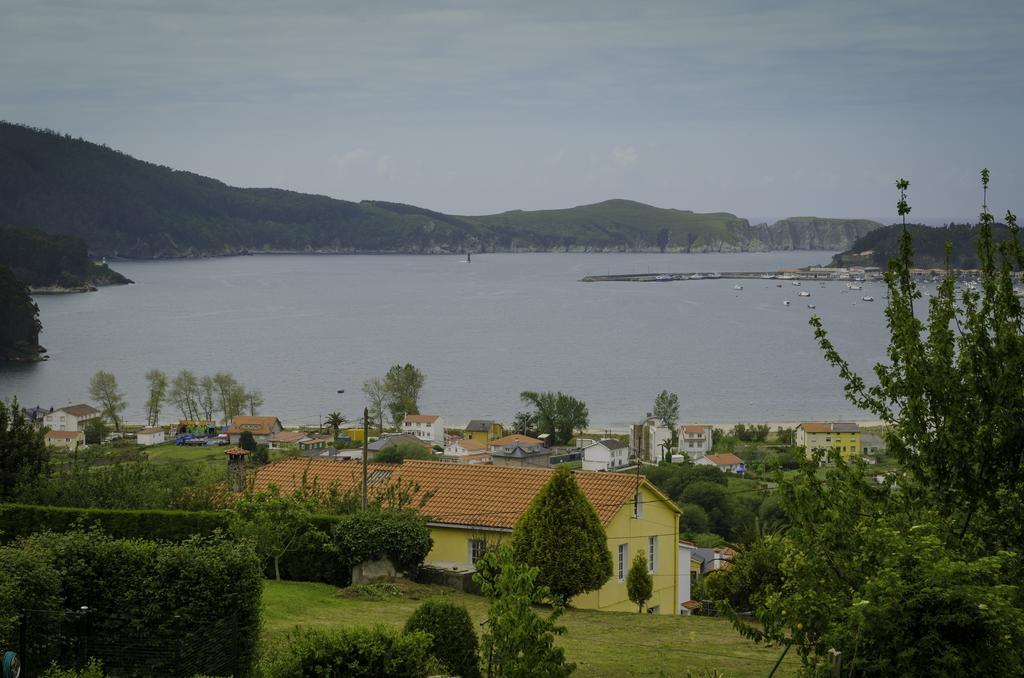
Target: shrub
x: 454, y: 638
x: 401, y: 536
x: 28, y: 581
x: 353, y: 652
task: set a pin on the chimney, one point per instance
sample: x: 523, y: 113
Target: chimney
x: 236, y: 467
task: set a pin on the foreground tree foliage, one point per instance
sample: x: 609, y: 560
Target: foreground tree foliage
x: 919, y: 575
x: 561, y: 535
x: 23, y: 454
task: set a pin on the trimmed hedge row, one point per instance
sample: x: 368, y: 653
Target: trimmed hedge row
x: 400, y: 536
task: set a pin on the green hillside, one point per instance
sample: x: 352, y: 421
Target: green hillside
x: 929, y: 243
x: 42, y: 260
x: 121, y: 206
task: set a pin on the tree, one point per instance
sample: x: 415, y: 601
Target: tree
x: 232, y: 398
x: 376, y: 396
x: 639, y: 582
x: 561, y: 535
x: 518, y: 642
x: 103, y: 389
x: 402, y: 386
x: 19, y: 331
x: 276, y: 524
x: 207, y: 397
x: 23, y: 453
x: 247, y: 441
x: 255, y: 401
x: 785, y: 436
x: 523, y: 423
x: 666, y: 408
x: 157, y: 382
x: 557, y: 414
x: 396, y: 454
x: 185, y: 394
x: 335, y: 421
x: 95, y: 431
x: 454, y: 639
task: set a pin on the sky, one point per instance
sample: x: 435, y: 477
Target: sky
x: 762, y: 108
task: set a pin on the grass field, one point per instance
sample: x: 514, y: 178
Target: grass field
x: 169, y: 453
x: 600, y: 643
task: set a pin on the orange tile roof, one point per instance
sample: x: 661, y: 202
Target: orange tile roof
x: 288, y: 437
x: 55, y: 435
x: 691, y: 605
x: 515, y: 439
x: 476, y: 495
x: 724, y: 458
x: 421, y: 418
x: 816, y: 427
x: 81, y: 410
x: 236, y: 452
x: 470, y: 445
x: 693, y: 428
x: 255, y: 425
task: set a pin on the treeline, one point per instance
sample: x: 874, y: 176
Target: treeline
x: 41, y: 259
x: 19, y: 330
x: 123, y: 206
x: 878, y: 247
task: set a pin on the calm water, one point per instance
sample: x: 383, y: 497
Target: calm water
x: 301, y: 327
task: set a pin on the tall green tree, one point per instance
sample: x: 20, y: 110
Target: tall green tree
x: 666, y: 408
x: 518, y: 642
x: 561, y: 535
x: 376, y: 397
x: 276, y: 524
x: 254, y: 400
x: 557, y: 414
x: 185, y: 394
x: 335, y: 421
x: 23, y: 453
x: 402, y: 386
x: 207, y: 397
x: 639, y: 582
x: 104, y: 390
x: 231, y: 396
x: 157, y: 389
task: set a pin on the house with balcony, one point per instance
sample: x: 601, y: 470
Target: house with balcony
x: 843, y: 438
x: 70, y: 417
x: 426, y: 427
x: 695, y: 440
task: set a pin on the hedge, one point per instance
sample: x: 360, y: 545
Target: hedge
x: 357, y: 651
x: 454, y: 643
x: 362, y: 536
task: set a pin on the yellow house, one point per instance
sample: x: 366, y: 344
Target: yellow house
x: 484, y: 431
x: 472, y: 506
x: 842, y: 437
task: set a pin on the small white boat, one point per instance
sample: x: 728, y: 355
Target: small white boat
x: 662, y: 278
x: 715, y: 275
x: 867, y: 298
x: 786, y: 302
x: 796, y: 282
x: 767, y: 276
x: 696, y: 276
x: 737, y: 287
x: 804, y: 294
x: 811, y: 306
x: 851, y: 286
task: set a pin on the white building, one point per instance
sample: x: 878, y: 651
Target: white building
x: 695, y: 440
x: 466, y: 451
x: 70, y: 417
x: 150, y: 436
x: 649, y: 438
x: 726, y: 461
x: 427, y: 427
x: 605, y: 455
x: 685, y: 572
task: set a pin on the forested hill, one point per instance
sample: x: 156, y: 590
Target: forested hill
x: 19, y: 331
x: 121, y: 206
x: 929, y: 243
x: 50, y: 260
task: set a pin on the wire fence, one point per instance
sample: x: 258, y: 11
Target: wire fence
x: 129, y: 647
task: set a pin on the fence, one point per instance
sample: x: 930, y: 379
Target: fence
x: 127, y: 647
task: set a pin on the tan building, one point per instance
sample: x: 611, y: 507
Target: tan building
x: 70, y: 417
x: 64, y: 439
x: 843, y: 437
x: 261, y: 428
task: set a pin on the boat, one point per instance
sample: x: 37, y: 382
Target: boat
x: 811, y: 306
x: 737, y: 287
x: 796, y: 282
x: 851, y: 286
x: 715, y: 275
x: 767, y: 276
x: 867, y: 298
x: 786, y: 302
x: 662, y: 277
x: 696, y: 276
x: 804, y: 294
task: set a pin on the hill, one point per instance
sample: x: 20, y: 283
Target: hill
x: 878, y: 247
x: 48, y: 261
x: 121, y: 206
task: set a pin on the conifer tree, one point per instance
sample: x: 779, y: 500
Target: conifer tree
x: 639, y: 583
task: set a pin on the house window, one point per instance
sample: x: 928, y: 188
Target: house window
x: 477, y: 549
x: 652, y: 554
x: 638, y: 505
x: 622, y: 562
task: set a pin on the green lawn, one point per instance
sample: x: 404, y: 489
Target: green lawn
x: 169, y: 453
x: 601, y: 643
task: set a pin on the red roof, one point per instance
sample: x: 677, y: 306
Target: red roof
x: 515, y: 439
x: 724, y: 459
x: 421, y: 418
x: 694, y: 428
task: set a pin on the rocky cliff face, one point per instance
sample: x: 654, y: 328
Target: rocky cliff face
x: 814, y: 233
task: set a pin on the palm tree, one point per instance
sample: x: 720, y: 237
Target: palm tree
x: 335, y: 421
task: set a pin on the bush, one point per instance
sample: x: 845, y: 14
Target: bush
x: 401, y: 536
x: 693, y: 519
x: 356, y: 651
x: 454, y: 638
x: 28, y: 581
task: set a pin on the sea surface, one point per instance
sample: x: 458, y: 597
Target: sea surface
x: 301, y: 327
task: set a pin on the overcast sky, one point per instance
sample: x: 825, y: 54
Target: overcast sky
x: 763, y: 108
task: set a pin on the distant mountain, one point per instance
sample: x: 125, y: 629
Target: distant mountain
x: 52, y: 261
x: 929, y: 244
x: 125, y: 207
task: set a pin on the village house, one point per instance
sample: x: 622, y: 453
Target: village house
x: 695, y: 440
x: 521, y: 456
x: 70, y: 417
x: 842, y: 437
x: 727, y: 462
x: 286, y: 439
x: 64, y: 439
x: 689, y: 572
x: 153, y: 435
x: 605, y: 455
x: 483, y: 431
x: 466, y: 451
x: 261, y: 428
x: 428, y: 427
x: 470, y: 507
x: 650, y: 439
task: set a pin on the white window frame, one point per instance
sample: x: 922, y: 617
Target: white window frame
x: 623, y: 552
x: 483, y: 550
x: 652, y: 554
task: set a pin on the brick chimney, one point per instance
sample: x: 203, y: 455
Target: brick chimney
x: 236, y: 467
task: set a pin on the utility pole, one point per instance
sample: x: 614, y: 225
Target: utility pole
x: 366, y: 438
